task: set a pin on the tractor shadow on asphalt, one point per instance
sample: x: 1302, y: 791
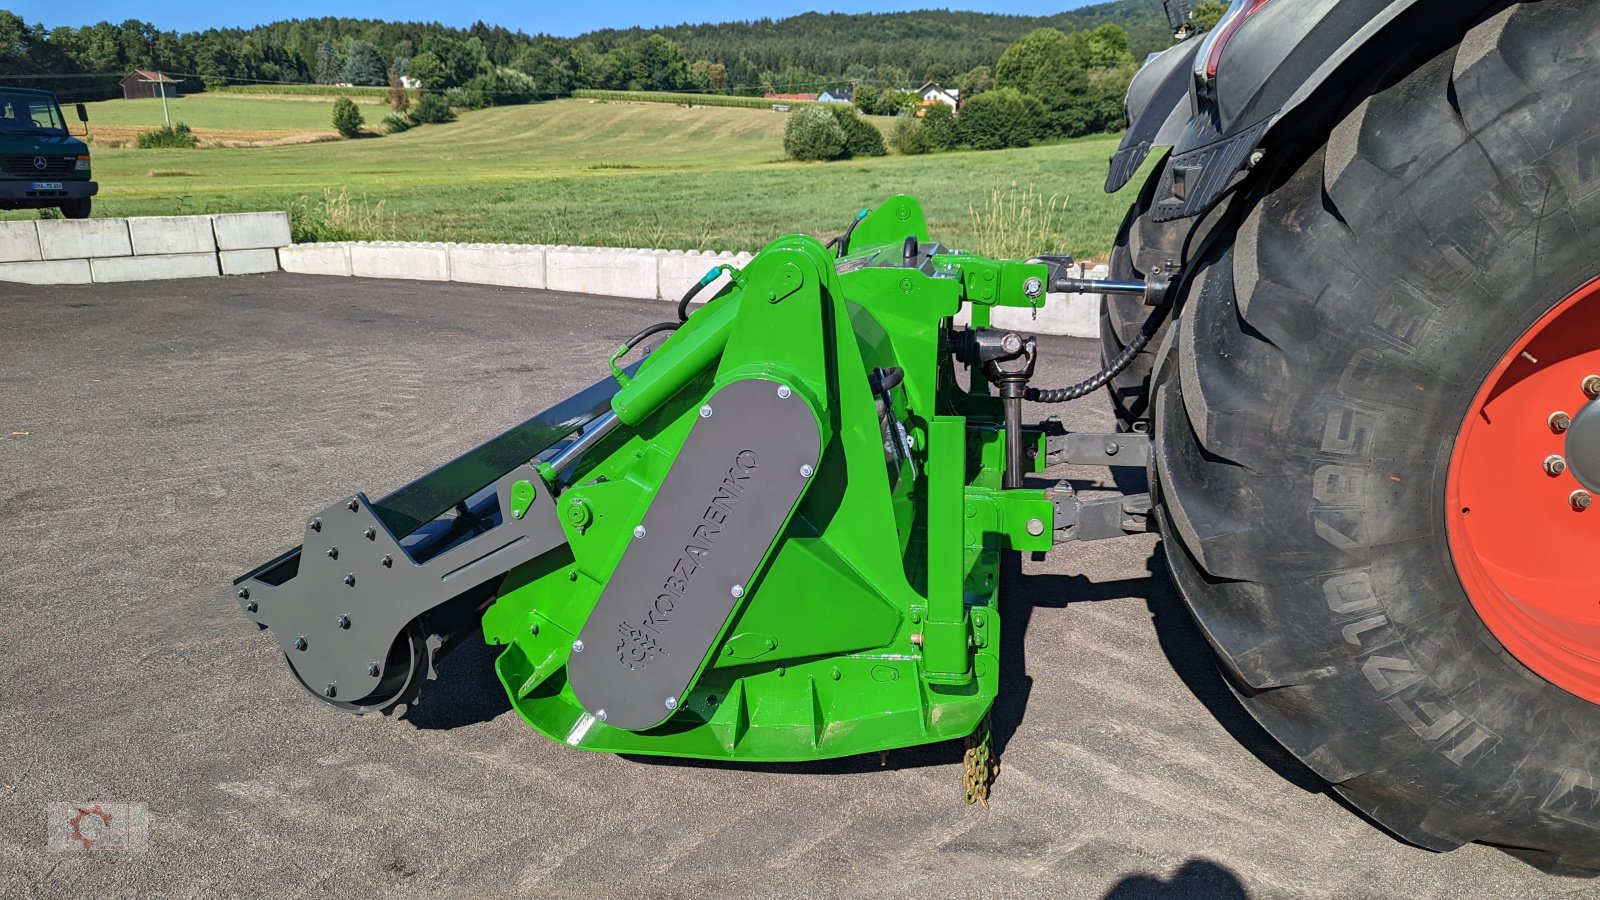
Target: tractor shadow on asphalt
x: 1180, y: 640
x: 1196, y: 878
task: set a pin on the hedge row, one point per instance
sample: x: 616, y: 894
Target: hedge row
x: 308, y: 90
x: 692, y: 99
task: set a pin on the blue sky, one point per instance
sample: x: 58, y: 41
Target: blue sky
x: 552, y: 18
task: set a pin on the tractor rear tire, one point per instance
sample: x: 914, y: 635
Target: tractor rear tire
x: 1121, y: 317
x: 1310, y: 409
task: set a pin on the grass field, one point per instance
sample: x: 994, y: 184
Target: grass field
x: 224, y: 118
x: 579, y: 172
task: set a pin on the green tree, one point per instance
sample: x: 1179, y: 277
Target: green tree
x: 1052, y: 69
x: 1207, y: 13
x: 891, y: 77
x: 549, y: 63
x: 427, y: 70
x: 327, y: 63
x: 750, y: 84
x: 595, y: 69
x: 1003, y: 117
x: 500, y: 86
x: 861, y: 138
x: 976, y: 80
x: 812, y: 133
x: 347, y: 118
x: 866, y: 99
x: 910, y: 136
x: 710, y: 76
x: 364, y: 65
x: 1103, y: 47
x: 459, y: 61
x: 894, y: 103
x: 432, y: 109
x: 661, y: 65
x: 939, y: 123
x: 399, y: 99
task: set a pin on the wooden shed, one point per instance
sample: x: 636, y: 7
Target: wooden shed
x: 140, y: 84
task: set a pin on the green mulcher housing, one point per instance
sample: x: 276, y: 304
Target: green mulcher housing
x: 1352, y: 335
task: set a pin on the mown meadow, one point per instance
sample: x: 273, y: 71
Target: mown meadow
x: 582, y: 171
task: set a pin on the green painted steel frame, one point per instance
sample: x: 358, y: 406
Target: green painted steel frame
x: 873, y: 622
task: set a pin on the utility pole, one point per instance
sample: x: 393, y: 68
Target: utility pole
x: 161, y: 81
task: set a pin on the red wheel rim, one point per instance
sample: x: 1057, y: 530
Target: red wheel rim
x: 1522, y: 535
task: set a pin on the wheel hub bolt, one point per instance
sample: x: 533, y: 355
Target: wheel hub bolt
x: 1591, y: 385
x: 1560, y: 422
x: 1581, y: 500
x: 372, y: 669
x: 1555, y: 465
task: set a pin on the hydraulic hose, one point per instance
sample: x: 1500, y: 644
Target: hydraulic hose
x: 1084, y: 388
x: 694, y: 289
x: 842, y: 242
x: 1147, y: 331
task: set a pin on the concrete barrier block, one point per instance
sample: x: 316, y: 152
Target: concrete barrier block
x: 248, y: 262
x: 1073, y: 315
x: 512, y: 265
x: 315, y: 259
x: 59, y: 271
x: 166, y: 235
x: 677, y: 272
x: 154, y: 268
x: 19, y: 241
x: 597, y: 271
x: 83, y: 238
x: 391, y: 259
x: 251, y: 231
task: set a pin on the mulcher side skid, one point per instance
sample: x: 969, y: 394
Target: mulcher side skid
x: 778, y: 537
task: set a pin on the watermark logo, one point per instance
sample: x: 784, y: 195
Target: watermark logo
x: 99, y: 826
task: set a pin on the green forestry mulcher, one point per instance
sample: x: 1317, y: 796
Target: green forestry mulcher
x: 1353, y: 336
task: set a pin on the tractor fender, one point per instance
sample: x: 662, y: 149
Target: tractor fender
x: 1284, y: 57
x: 1159, y: 107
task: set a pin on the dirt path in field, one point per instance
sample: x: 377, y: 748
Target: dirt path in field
x: 126, y: 135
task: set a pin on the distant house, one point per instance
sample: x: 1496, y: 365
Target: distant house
x: 933, y: 92
x: 791, y: 97
x: 838, y: 95
x: 141, y: 84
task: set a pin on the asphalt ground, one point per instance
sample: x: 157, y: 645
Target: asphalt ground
x: 158, y: 439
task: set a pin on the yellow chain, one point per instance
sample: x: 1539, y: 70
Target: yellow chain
x: 980, y: 766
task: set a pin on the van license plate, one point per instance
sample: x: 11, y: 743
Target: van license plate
x: 47, y: 185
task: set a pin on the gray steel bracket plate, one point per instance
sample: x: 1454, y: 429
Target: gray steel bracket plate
x: 338, y: 615
x: 734, y: 484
